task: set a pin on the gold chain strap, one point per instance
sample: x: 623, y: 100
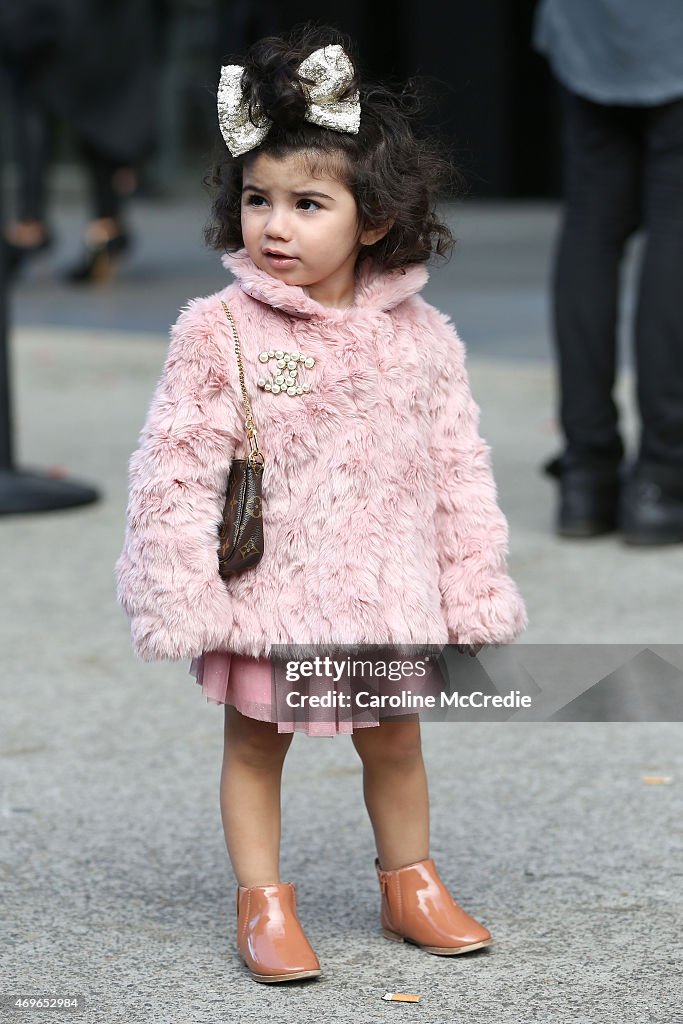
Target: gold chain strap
x: 255, y: 454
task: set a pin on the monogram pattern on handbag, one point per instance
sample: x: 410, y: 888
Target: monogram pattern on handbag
x: 241, y: 531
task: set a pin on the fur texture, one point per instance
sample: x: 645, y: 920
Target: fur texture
x: 380, y: 512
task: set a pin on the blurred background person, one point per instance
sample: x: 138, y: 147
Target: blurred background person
x: 96, y: 65
x: 620, y: 67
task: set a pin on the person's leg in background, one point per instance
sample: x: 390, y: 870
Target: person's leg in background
x: 602, y: 166
x: 106, y: 237
x: 28, y: 234
x: 652, y: 507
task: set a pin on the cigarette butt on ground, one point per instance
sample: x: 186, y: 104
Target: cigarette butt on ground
x: 401, y: 997
x: 656, y: 780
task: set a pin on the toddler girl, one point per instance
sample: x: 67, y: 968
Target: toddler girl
x: 380, y: 515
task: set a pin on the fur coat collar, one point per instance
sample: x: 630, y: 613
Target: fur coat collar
x: 376, y: 289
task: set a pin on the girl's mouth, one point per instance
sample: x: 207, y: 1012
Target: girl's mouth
x: 280, y: 261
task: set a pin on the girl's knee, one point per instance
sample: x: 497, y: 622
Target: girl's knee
x: 258, y: 743
x: 390, y: 742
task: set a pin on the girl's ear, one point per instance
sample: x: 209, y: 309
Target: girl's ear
x: 371, y: 235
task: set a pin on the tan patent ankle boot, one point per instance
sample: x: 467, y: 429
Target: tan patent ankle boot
x: 417, y: 907
x: 270, y: 938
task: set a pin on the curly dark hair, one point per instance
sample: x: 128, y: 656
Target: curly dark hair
x: 393, y: 174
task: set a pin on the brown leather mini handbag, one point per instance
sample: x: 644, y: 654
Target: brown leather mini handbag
x: 241, y: 532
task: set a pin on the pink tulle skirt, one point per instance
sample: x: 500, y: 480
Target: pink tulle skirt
x: 246, y: 683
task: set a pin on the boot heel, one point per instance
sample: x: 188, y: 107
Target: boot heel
x: 392, y: 935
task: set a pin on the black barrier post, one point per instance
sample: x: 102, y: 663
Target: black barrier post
x: 21, y: 490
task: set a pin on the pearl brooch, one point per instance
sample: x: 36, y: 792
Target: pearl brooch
x: 285, y: 380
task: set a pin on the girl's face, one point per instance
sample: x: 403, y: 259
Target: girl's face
x: 312, y: 221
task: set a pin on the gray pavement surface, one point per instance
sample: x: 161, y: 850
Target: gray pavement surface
x: 116, y: 884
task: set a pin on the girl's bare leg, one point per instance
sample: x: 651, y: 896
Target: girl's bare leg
x: 253, y: 757
x: 395, y: 789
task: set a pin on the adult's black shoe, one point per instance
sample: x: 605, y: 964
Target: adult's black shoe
x: 588, y: 496
x: 16, y: 256
x: 651, y: 505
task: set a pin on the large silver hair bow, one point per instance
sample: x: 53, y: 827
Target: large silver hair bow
x: 329, y: 68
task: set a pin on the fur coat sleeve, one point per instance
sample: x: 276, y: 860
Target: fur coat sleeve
x: 177, y: 479
x: 480, y: 601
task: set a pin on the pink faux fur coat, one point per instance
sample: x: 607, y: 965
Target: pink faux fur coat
x: 380, y: 509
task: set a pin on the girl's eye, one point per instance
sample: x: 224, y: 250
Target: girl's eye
x: 254, y: 200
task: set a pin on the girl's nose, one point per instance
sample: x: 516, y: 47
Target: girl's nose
x: 277, y: 225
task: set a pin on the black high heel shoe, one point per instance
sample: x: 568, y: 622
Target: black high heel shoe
x: 100, y: 260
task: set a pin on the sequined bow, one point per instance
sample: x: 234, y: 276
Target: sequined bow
x: 330, y: 70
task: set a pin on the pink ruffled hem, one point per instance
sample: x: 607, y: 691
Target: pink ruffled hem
x: 247, y: 684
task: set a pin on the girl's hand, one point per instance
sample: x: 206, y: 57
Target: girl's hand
x: 471, y: 649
